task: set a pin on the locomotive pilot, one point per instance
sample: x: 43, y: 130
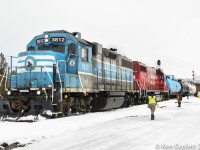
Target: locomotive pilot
x: 152, y: 104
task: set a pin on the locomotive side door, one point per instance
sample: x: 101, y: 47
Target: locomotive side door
x: 72, y: 58
x: 85, y: 66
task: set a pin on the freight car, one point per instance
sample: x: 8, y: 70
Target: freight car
x: 148, y: 79
x: 185, y: 90
x: 173, y: 85
x: 177, y: 86
x: 192, y: 88
x: 65, y: 74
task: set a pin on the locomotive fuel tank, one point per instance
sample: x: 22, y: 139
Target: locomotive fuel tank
x: 108, y: 101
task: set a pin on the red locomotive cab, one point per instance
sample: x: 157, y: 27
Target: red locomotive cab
x: 145, y: 77
x: 161, y: 80
x: 161, y: 84
x: 140, y: 74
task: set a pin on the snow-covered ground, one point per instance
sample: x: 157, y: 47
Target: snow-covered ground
x: 122, y: 129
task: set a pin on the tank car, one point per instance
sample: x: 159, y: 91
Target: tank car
x: 185, y: 90
x: 192, y: 88
x: 62, y: 73
x: 148, y: 79
x: 173, y: 85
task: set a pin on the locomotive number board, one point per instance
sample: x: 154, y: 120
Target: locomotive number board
x: 40, y: 41
x: 58, y: 39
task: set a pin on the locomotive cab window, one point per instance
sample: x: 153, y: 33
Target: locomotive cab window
x: 71, y: 49
x: 31, y: 48
x: 84, y: 54
x: 162, y: 77
x: 55, y: 48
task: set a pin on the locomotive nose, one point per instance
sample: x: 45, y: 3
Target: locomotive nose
x: 35, y: 71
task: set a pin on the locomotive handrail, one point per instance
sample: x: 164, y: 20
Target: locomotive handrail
x: 59, y: 76
x: 51, y: 82
x: 10, y: 69
x: 140, y: 86
x: 70, y: 54
x: 144, y: 88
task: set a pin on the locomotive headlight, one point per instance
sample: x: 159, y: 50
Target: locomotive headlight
x: 46, y: 40
x: 46, y: 36
x: 9, y: 92
x: 38, y: 92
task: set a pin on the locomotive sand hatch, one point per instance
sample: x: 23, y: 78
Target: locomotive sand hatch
x: 61, y: 74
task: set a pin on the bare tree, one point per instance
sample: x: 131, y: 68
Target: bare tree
x: 3, y: 66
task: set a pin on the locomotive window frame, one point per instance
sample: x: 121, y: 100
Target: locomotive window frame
x: 84, y: 54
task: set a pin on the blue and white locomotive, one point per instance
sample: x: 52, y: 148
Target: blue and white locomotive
x: 64, y: 74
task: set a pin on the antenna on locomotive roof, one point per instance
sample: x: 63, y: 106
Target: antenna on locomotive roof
x: 158, y: 64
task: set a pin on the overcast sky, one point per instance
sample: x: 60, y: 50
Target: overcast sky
x: 143, y: 30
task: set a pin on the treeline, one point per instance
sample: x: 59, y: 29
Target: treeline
x: 3, y: 66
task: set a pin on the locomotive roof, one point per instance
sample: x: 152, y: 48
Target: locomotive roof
x: 72, y: 34
x: 56, y: 31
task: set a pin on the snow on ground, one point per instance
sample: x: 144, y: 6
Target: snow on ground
x: 121, y: 129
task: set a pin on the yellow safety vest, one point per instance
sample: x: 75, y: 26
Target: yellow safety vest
x: 152, y: 100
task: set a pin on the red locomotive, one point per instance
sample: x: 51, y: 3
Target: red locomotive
x: 148, y: 79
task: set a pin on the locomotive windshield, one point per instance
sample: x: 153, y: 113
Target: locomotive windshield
x: 55, y: 48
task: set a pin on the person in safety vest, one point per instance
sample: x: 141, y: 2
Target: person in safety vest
x: 152, y: 104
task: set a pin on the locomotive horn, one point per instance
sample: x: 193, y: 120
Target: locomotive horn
x: 158, y: 62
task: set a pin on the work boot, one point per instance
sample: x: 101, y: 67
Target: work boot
x: 152, y: 117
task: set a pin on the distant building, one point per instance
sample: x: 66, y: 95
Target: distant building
x: 197, y: 87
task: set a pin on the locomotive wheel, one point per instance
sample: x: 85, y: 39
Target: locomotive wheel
x: 80, y: 107
x: 136, y: 99
x: 66, y: 108
x: 133, y: 102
